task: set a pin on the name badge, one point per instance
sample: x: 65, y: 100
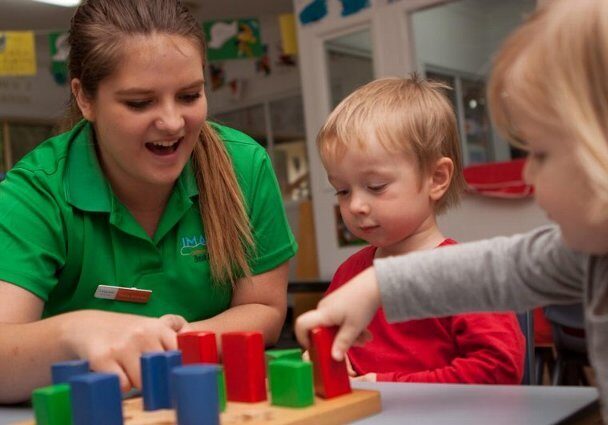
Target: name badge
x: 119, y: 293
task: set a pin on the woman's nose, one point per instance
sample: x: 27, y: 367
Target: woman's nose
x: 170, y: 120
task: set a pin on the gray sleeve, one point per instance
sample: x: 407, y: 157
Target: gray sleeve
x: 505, y: 273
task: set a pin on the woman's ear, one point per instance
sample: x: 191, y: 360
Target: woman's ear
x: 84, y: 103
x: 441, y: 176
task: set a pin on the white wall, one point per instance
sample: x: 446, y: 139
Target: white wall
x: 480, y: 217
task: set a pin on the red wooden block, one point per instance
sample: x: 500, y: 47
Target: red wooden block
x: 244, y: 366
x: 330, y: 376
x: 198, y: 347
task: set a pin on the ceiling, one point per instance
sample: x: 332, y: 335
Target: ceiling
x: 31, y: 15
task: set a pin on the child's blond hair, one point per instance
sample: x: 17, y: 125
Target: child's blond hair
x: 405, y: 115
x: 554, y: 69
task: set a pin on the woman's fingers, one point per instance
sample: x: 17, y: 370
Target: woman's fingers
x: 174, y: 321
x: 110, y: 365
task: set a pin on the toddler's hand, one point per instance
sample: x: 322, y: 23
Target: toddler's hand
x: 368, y: 377
x: 350, y: 307
x: 349, y: 367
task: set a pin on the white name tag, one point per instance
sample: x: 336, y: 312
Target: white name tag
x: 119, y: 293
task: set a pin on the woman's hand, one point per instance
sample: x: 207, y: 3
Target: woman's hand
x: 351, y: 307
x: 114, y: 342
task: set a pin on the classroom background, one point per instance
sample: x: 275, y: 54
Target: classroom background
x: 275, y: 70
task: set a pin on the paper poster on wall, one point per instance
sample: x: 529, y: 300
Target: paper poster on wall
x: 60, y: 49
x: 218, y: 75
x: 17, y: 53
x: 262, y: 65
x: 289, y: 41
x: 314, y: 11
x: 233, y: 39
x: 350, y: 7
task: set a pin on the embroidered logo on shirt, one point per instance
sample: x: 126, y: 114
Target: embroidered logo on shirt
x: 194, y: 246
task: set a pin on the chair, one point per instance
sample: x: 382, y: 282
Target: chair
x: 567, y: 322
x: 526, y: 322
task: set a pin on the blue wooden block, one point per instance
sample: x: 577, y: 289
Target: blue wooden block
x: 155, y: 371
x: 174, y: 359
x: 196, y: 396
x: 155, y: 381
x: 96, y: 399
x: 63, y: 371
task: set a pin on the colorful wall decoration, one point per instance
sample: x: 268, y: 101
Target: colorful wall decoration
x: 17, y: 53
x: 59, y: 49
x: 233, y: 39
x: 313, y: 12
x: 350, y: 7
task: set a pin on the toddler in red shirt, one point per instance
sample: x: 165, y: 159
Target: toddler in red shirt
x: 392, y: 153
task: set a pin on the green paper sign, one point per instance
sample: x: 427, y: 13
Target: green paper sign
x: 60, y: 50
x: 233, y: 39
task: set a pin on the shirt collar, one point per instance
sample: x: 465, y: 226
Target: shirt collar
x: 86, y: 187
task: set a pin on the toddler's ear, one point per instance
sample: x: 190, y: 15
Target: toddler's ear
x: 440, y: 177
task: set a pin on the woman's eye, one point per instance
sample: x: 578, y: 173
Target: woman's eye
x: 191, y: 97
x: 137, y: 104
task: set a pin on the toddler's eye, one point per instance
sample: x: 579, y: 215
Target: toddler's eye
x: 377, y: 188
x: 341, y: 192
x: 539, y: 156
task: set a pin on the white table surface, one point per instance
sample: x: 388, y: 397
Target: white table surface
x: 421, y: 404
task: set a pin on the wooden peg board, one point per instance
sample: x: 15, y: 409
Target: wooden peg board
x: 336, y: 411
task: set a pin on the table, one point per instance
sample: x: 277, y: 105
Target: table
x: 452, y: 404
x: 437, y: 404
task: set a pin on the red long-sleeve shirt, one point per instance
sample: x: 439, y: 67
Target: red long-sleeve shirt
x: 467, y: 348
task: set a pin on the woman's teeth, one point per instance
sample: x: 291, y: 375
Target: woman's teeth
x: 163, y: 147
x: 164, y: 144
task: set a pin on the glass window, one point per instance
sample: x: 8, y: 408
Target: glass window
x: 350, y: 63
x: 249, y: 120
x: 455, y: 42
x: 290, y: 158
x: 278, y: 125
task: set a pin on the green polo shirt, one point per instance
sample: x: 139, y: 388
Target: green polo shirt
x: 63, y: 232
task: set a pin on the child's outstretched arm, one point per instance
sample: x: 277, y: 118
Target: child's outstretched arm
x: 506, y: 273
x: 350, y: 307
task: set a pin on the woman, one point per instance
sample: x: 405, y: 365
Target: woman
x: 142, y: 193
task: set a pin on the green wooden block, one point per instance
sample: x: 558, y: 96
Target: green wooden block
x: 52, y: 405
x: 291, y: 383
x: 221, y: 389
x: 290, y: 353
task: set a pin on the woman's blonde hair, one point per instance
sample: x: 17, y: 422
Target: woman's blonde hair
x: 97, y: 33
x: 554, y: 70
x: 405, y: 115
